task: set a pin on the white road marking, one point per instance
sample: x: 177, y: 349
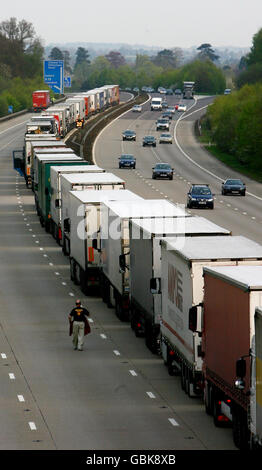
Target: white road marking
x: 51, y: 264
x: 90, y: 320
x: 132, y: 372
x: 117, y: 353
x: 32, y: 426
x: 3, y: 356
x: 57, y: 274
x: 103, y: 336
x: 71, y: 294
x: 64, y: 284
x: 12, y: 376
x: 173, y: 421
x: 151, y: 395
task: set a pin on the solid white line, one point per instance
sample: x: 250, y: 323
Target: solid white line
x: 173, y: 421
x: 151, y: 395
x: 132, y: 372
x: 32, y: 426
x: 20, y: 398
x: 197, y: 164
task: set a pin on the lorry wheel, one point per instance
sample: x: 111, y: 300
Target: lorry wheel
x: 183, y: 378
x: 72, y: 270
x: 208, y: 399
x: 77, y: 274
x: 240, y: 428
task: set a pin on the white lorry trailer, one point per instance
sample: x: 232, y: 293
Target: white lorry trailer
x: 115, y: 245
x: 80, y: 182
x: 145, y: 267
x: 182, y: 290
x: 84, y: 214
x: 55, y: 190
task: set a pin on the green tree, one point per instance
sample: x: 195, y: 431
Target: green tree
x: 165, y: 59
x: 255, y: 55
x: 56, y: 54
x: 207, y: 53
x: 82, y: 56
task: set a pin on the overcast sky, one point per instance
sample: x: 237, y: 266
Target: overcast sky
x: 169, y: 23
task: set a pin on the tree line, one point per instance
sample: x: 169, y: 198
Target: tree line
x: 165, y: 69
x: 21, y: 64
x: 234, y: 121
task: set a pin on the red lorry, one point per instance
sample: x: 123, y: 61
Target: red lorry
x: 41, y: 100
x: 231, y: 295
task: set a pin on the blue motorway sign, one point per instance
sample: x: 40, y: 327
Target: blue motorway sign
x: 54, y: 75
x: 67, y: 82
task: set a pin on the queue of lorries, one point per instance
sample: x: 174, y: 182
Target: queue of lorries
x: 187, y: 285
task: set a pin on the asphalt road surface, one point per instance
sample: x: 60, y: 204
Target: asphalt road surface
x: 115, y: 394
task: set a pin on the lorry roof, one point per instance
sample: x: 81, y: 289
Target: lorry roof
x: 93, y: 178
x: 58, y: 157
x: 55, y: 150
x: 47, y: 143
x: 43, y: 122
x: 215, y: 247
x: 92, y: 195
x: 85, y: 167
x: 245, y: 277
x: 147, y: 208
x: 183, y: 226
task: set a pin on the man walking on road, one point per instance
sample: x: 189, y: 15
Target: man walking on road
x: 79, y: 325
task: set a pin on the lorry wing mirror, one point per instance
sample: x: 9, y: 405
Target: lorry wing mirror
x: 122, y: 263
x: 67, y: 225
x: 57, y: 203
x: 155, y: 285
x: 192, y: 325
x: 241, y: 368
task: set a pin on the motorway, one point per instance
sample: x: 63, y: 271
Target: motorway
x: 115, y: 394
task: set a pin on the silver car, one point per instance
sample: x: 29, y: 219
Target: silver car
x: 165, y: 138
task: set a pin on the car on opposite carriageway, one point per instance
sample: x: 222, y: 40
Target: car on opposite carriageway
x: 200, y: 195
x: 162, y: 170
x: 129, y: 135
x: 127, y: 161
x: 233, y: 186
x: 165, y: 138
x: 149, y: 140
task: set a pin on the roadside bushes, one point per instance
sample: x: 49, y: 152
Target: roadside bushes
x: 18, y: 93
x: 235, y: 122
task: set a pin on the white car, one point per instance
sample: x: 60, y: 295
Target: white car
x: 137, y: 108
x: 181, y: 107
x: 165, y: 138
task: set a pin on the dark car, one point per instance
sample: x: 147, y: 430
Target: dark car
x: 149, y: 140
x: 129, y: 135
x: 162, y: 170
x: 200, y: 195
x: 233, y: 186
x: 178, y: 91
x: 127, y: 161
x: 167, y: 115
x: 169, y: 91
x: 164, y: 104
